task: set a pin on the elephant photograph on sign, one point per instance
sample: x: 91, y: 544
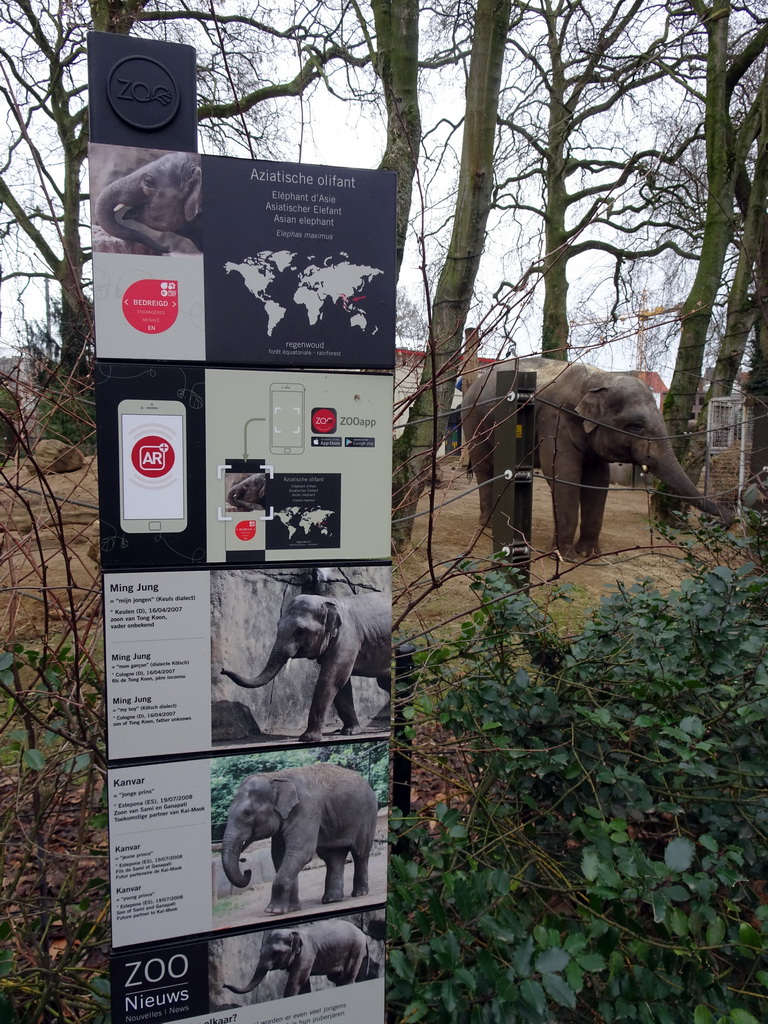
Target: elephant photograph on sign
x: 296, y: 959
x: 245, y: 492
x: 146, y: 202
x: 306, y: 652
x: 586, y: 419
x: 291, y: 840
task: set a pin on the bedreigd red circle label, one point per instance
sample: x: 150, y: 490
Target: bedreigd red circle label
x: 245, y: 530
x: 151, y: 306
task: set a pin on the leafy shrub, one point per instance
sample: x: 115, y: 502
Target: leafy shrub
x: 600, y: 853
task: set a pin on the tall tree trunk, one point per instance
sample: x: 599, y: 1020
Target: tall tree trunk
x: 397, y: 65
x: 554, y: 337
x: 415, y: 450
x: 718, y: 232
x: 743, y: 298
x: 76, y: 312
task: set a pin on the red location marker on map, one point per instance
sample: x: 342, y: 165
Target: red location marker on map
x: 246, y: 530
x: 151, y: 306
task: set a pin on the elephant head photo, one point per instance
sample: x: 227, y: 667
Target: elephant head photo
x: 153, y: 208
x: 245, y: 492
x: 586, y: 419
x: 312, y: 810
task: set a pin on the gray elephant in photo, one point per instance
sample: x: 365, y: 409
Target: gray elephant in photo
x: 335, y: 949
x: 318, y: 808
x: 165, y: 195
x: 347, y: 636
x: 246, y: 491
x: 586, y: 418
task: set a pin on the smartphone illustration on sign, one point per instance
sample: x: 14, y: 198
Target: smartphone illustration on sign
x: 153, y: 466
x: 286, y: 419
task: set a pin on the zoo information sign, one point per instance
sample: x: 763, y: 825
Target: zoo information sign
x: 202, y: 980
x: 244, y: 503
x: 241, y: 262
x: 183, y: 662
x: 201, y: 465
x: 169, y: 879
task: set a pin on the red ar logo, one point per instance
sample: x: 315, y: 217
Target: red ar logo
x: 153, y: 456
x: 324, y: 420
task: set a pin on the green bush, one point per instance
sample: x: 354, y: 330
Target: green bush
x: 602, y: 854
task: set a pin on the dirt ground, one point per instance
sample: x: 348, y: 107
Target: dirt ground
x: 631, y: 548
x: 245, y: 906
x: 61, y: 505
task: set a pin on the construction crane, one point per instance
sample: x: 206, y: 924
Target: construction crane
x: 644, y: 314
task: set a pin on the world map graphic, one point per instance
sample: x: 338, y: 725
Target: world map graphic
x: 277, y: 279
x: 306, y: 520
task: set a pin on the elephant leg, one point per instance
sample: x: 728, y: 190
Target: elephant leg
x: 285, y: 887
x: 360, y: 878
x: 332, y: 678
x: 335, y: 859
x: 484, y: 475
x: 285, y: 892
x: 277, y: 850
x: 345, y: 707
x: 353, y: 964
x: 594, y: 491
x: 478, y: 432
x: 298, y: 983
x: 562, y: 469
x: 348, y: 972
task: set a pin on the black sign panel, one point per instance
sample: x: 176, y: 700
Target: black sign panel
x: 168, y: 983
x: 141, y: 92
x: 305, y: 972
x: 151, y: 441
x: 299, y: 264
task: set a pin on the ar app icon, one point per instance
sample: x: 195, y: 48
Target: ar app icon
x: 152, y: 456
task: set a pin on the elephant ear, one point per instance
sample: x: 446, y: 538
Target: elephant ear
x: 285, y: 796
x: 591, y: 408
x: 193, y: 185
x: 332, y: 620
x: 296, y: 945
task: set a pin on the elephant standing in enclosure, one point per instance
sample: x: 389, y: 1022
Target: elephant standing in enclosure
x: 335, y: 949
x: 346, y: 636
x: 321, y: 808
x: 164, y: 195
x: 586, y: 418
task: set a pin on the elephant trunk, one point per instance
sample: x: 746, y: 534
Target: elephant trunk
x: 276, y: 661
x: 259, y: 975
x: 123, y: 193
x: 662, y: 462
x: 231, y: 848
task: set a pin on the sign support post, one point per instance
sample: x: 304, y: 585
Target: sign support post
x: 515, y: 444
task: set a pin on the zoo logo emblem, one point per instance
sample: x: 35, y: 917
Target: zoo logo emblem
x: 143, y: 93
